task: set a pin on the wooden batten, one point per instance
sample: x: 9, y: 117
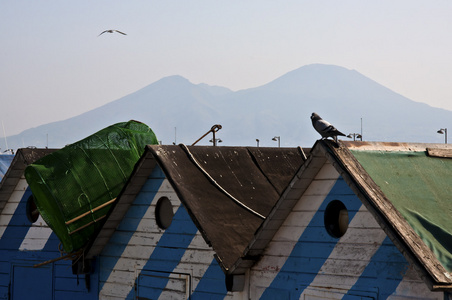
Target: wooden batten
x: 90, y: 211
x: 443, y: 153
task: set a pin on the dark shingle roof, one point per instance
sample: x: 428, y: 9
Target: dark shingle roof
x: 228, y: 191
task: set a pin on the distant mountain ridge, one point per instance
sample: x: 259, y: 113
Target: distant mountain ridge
x: 179, y: 111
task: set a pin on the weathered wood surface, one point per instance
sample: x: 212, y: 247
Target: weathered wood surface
x: 390, y: 219
x: 436, y: 152
x: 130, y: 248
x: 348, y: 258
x: 15, y: 172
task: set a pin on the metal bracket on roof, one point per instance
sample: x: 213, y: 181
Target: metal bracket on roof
x: 214, y: 129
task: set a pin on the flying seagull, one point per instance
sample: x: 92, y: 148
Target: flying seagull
x: 112, y: 31
x: 324, y: 127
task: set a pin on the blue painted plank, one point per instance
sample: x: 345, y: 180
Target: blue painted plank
x: 4, y: 267
x: 152, y: 185
x: 63, y: 269
x: 144, y: 198
x: 14, y: 235
x: 4, y: 292
x: 384, y: 272
x: 166, y: 259
x: 212, y: 285
x: 4, y: 279
x: 72, y: 295
x: 27, y: 281
x: 71, y: 284
x: 52, y: 244
x: 299, y: 271
x: 131, y: 224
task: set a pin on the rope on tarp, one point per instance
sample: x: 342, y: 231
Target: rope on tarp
x: 193, y: 159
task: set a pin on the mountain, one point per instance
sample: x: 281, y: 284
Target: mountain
x: 179, y: 111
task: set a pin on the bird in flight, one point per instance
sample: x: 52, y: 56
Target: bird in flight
x: 324, y: 127
x: 112, y: 31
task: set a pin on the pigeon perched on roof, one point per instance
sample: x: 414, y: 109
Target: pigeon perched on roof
x: 324, y: 127
x: 112, y: 31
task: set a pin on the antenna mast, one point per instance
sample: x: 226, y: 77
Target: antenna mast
x: 4, y: 134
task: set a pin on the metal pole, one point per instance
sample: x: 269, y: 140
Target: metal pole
x: 361, y: 129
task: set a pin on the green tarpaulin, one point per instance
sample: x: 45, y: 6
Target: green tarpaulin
x: 420, y: 188
x: 75, y: 187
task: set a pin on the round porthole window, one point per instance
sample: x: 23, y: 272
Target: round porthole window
x: 164, y: 213
x: 336, y: 218
x: 32, y: 211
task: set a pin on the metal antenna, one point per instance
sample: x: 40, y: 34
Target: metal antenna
x: 4, y: 134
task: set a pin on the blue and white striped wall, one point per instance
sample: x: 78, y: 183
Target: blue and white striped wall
x: 302, y: 261
x: 143, y: 261
x: 22, y: 245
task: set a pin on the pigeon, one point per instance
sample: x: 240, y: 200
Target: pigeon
x: 324, y: 127
x: 112, y: 31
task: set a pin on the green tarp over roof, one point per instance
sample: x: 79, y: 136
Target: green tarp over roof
x: 420, y: 188
x: 74, y: 187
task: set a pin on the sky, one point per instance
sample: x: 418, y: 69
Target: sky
x: 54, y: 65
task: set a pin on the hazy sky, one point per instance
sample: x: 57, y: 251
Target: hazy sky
x: 54, y: 66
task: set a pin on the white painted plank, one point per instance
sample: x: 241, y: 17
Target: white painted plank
x: 266, y: 269
x: 37, y: 236
x: 197, y: 261
x: 16, y: 196
x: 319, y: 187
x: 327, y: 172
x: 132, y: 253
x: 343, y: 260
x: 21, y: 185
x: 8, y: 210
x: 412, y: 287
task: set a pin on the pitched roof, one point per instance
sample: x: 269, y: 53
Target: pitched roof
x: 407, y: 188
x: 228, y: 191
x: 23, y: 157
x: 238, y: 197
